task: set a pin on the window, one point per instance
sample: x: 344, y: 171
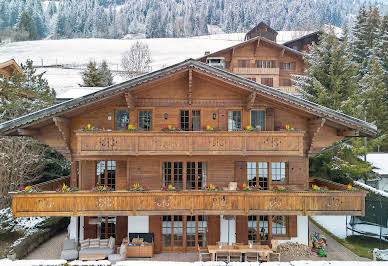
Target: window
x: 195, y: 124
x: 195, y: 175
x: 288, y: 66
x: 279, y: 225
x: 278, y: 170
x: 267, y: 81
x: 145, y: 120
x: 258, y: 229
x: 285, y: 82
x: 122, y: 119
x: 190, y: 231
x: 253, y: 79
x: 173, y: 174
x: 243, y: 63
x: 258, y: 119
x: 196, y: 225
x: 259, y: 169
x: 234, y: 120
x: 107, y: 228
x: 265, y: 63
x: 106, y: 173
x: 202, y: 230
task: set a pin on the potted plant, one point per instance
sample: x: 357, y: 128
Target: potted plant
x: 171, y: 128
x: 65, y: 188
x: 279, y: 188
x: 28, y: 189
x: 103, y: 188
x: 170, y: 188
x: 137, y: 187
x: 211, y: 187
x: 245, y: 187
x: 89, y: 127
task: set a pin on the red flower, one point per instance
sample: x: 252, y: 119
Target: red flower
x: 288, y: 188
x: 164, y: 187
x: 22, y: 188
x: 144, y: 187
x: 217, y: 187
x: 275, y: 187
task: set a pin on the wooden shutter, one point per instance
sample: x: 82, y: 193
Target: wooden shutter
x: 74, y: 173
x: 222, y: 120
x: 88, y: 175
x: 292, y: 226
x: 242, y: 229
x: 121, y: 175
x: 90, y: 230
x: 269, y: 119
x: 121, y: 228
x: 155, y: 226
x: 297, y: 171
x: 213, y: 229
x: 240, y: 172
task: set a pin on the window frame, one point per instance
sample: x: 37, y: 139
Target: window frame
x: 139, y: 120
x: 104, y: 231
x: 257, y: 170
x: 190, y: 119
x: 106, y: 176
x: 115, y: 118
x: 279, y: 181
x: 241, y: 119
x: 250, y: 118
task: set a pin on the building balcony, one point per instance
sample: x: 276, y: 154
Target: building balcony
x: 288, y: 89
x: 190, y: 143
x: 256, y: 71
x: 123, y: 203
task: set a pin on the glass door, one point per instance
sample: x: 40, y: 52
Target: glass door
x: 172, y: 232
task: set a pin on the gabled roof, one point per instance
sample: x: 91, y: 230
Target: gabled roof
x: 262, y: 90
x: 262, y: 39
x: 12, y: 63
x: 262, y: 23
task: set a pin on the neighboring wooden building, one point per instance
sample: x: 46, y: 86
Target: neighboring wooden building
x: 8, y: 68
x: 190, y: 95
x: 262, y: 30
x: 302, y: 44
x: 261, y: 60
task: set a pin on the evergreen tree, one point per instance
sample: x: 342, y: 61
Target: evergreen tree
x: 106, y: 74
x: 92, y: 77
x: 27, y: 24
x: 24, y: 93
x: 382, y: 48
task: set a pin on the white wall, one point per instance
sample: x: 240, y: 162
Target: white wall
x: 81, y: 228
x: 226, y: 230
x: 303, y: 232
x: 73, y: 228
x: 138, y: 224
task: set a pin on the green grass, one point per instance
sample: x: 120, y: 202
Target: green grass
x: 360, y: 245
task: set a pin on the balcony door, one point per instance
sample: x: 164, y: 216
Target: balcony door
x: 190, y: 120
x: 106, y: 173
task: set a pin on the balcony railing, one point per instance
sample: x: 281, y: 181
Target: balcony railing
x: 190, y: 143
x: 256, y: 71
x: 124, y: 203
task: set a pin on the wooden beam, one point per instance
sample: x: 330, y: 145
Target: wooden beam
x: 251, y: 101
x: 348, y: 133
x: 131, y: 103
x: 282, y: 53
x: 28, y: 132
x: 256, y: 46
x: 314, y: 127
x: 63, y: 126
x: 190, y: 94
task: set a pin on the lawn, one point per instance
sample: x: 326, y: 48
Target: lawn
x: 360, y: 245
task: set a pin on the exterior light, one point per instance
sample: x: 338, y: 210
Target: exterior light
x: 109, y: 116
x: 214, y: 116
x: 165, y: 116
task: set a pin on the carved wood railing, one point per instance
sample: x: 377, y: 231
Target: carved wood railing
x: 124, y: 203
x: 190, y: 143
x: 256, y: 71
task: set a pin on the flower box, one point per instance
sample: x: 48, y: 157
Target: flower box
x: 137, y: 188
x: 102, y: 189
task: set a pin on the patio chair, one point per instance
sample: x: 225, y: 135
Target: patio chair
x: 222, y: 256
x: 204, y: 255
x: 252, y: 256
x: 235, y: 256
x: 263, y: 256
x: 274, y: 256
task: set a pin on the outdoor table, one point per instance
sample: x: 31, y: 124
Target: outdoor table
x: 261, y: 249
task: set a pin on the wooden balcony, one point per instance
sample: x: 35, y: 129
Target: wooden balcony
x: 119, y: 203
x: 256, y: 71
x: 190, y: 143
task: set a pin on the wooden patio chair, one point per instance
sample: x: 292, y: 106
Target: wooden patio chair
x: 204, y: 255
x: 252, y: 257
x: 235, y: 256
x: 222, y: 256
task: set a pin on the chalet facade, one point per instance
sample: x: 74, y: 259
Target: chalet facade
x: 198, y: 99
x: 261, y: 60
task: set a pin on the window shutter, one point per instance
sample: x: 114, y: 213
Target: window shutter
x: 240, y: 172
x: 292, y: 226
x: 222, y: 119
x: 213, y: 229
x: 155, y: 226
x: 90, y: 230
x: 121, y: 228
x: 242, y: 229
x: 269, y: 119
x: 121, y: 175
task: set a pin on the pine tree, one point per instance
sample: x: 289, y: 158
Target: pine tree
x: 92, y: 77
x: 24, y: 93
x: 27, y: 24
x: 106, y: 74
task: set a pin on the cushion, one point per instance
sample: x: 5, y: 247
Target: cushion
x: 111, y: 243
x: 84, y: 243
x: 123, y: 250
x: 104, y: 243
x: 69, y: 254
x: 94, y: 251
x: 94, y: 243
x: 69, y: 244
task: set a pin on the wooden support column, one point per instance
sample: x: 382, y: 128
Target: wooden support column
x: 190, y: 94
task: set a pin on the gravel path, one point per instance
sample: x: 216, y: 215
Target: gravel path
x: 49, y: 250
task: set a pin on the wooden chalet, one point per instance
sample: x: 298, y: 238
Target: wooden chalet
x: 302, y: 43
x: 261, y: 60
x: 262, y: 30
x: 198, y: 99
x: 8, y: 68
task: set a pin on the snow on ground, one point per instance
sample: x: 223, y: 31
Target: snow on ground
x: 380, y: 161
x: 380, y: 192
x: 334, y: 224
